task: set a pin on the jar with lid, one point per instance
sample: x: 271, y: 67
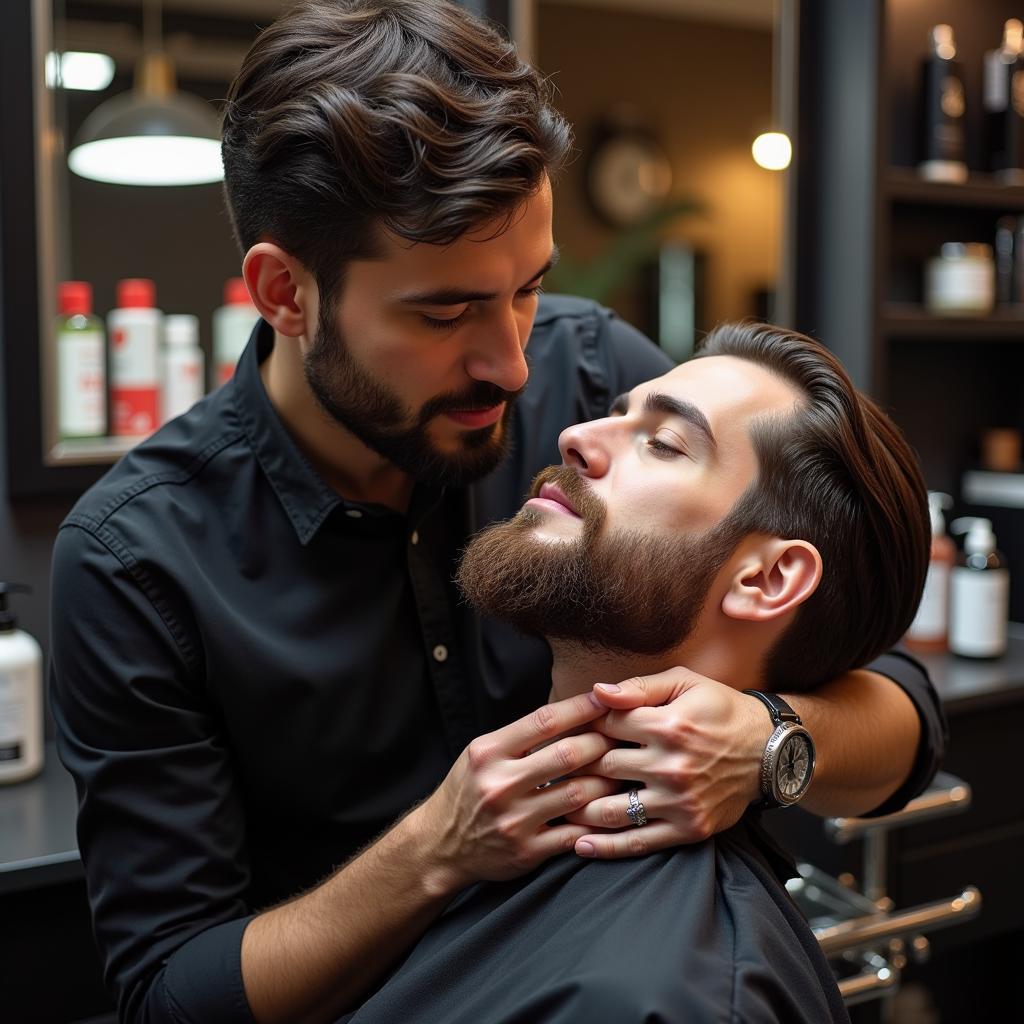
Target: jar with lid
x: 961, y: 280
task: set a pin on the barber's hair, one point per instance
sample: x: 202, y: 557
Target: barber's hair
x: 838, y: 473
x: 411, y: 115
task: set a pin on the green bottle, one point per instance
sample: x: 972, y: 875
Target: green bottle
x: 81, y: 365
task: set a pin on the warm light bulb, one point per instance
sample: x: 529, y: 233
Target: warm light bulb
x: 772, y: 151
x: 149, y: 160
x: 77, y: 70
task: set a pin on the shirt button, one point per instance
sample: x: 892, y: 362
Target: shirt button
x: 353, y: 513
x: 415, y: 538
x: 440, y: 653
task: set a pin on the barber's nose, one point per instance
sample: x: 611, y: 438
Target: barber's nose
x: 584, y: 447
x: 498, y: 355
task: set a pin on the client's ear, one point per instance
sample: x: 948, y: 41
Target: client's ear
x: 281, y: 289
x: 774, y: 577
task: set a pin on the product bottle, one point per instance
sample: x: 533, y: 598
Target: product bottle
x: 979, y: 602
x: 183, y: 365
x: 21, y: 696
x: 135, y: 359
x: 930, y: 629
x: 1003, y: 101
x: 232, y: 324
x: 81, y: 365
x: 942, y: 122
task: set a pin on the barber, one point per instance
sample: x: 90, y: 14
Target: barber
x: 259, y: 666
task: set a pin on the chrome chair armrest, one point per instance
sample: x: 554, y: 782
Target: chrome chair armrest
x: 946, y: 795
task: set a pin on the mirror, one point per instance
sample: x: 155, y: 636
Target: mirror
x: 663, y: 214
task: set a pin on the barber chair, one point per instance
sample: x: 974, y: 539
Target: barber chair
x: 868, y: 941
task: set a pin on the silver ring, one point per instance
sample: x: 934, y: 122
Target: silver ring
x: 635, y: 811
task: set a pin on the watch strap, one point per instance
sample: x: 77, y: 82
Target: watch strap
x: 777, y: 707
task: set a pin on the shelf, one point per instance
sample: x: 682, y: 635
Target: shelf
x: 92, y: 452
x: 904, y: 185
x: 909, y: 321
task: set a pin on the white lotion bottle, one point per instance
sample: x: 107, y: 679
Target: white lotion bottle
x: 21, y: 696
x: 979, y: 601
x: 232, y: 324
x: 183, y: 378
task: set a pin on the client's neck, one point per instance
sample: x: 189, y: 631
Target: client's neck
x: 723, y: 656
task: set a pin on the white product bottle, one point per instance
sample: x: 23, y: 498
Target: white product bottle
x: 135, y: 359
x: 182, y: 384
x: 979, y: 594
x: 21, y: 696
x: 232, y: 324
x: 81, y: 365
x: 930, y: 629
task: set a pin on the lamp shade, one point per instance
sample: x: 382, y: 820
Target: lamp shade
x: 140, y: 139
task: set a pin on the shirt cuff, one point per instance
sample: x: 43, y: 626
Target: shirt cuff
x: 202, y: 980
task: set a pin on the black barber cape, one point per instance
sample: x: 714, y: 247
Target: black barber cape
x: 252, y: 676
x: 705, y: 934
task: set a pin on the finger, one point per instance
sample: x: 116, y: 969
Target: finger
x: 555, y: 839
x: 624, y: 763
x: 547, y: 722
x: 612, y: 811
x: 633, y: 842
x: 563, y: 757
x: 562, y: 798
x: 647, y: 691
x: 638, y: 725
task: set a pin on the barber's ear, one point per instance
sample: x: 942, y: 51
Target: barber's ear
x: 281, y: 288
x: 773, y: 578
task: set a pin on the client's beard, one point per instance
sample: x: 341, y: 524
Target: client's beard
x: 624, y: 592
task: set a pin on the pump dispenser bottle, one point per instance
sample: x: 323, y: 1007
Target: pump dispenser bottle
x: 979, y: 593
x: 1003, y: 100
x: 930, y: 629
x: 21, y: 696
x: 943, y: 108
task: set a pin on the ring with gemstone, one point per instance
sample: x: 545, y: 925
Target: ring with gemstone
x: 635, y: 811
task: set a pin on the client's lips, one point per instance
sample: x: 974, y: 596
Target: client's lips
x: 553, y: 497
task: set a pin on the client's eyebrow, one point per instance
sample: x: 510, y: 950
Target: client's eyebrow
x: 657, y: 401
x: 456, y: 296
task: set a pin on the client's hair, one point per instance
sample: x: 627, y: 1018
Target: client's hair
x: 837, y: 473
x: 411, y: 115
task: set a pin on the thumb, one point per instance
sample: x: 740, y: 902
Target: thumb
x: 646, y: 691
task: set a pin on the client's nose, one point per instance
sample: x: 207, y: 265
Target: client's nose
x: 581, y: 448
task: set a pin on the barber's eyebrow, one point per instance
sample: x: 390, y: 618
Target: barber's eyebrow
x: 657, y: 401
x: 455, y: 296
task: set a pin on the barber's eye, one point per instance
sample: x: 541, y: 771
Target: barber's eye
x: 662, y: 449
x: 443, y: 325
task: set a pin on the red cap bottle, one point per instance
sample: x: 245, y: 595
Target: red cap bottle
x: 235, y: 292
x: 136, y: 293
x: 74, y: 298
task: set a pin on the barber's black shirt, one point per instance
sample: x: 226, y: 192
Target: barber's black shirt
x: 252, y: 676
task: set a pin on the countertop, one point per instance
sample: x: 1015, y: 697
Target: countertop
x: 37, y: 817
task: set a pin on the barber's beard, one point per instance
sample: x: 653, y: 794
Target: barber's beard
x: 376, y: 415
x: 627, y: 591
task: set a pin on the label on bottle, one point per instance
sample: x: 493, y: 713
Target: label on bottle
x: 996, y: 80
x: 14, y: 690
x: 930, y: 621
x: 183, y: 381
x: 979, y: 610
x: 134, y: 410
x: 81, y: 384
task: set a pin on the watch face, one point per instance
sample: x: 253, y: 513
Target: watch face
x: 796, y: 759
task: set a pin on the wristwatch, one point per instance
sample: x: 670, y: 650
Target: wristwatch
x: 788, y: 762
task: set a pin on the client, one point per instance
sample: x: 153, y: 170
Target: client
x: 749, y: 515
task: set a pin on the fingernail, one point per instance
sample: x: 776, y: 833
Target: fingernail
x: 610, y: 687
x: 585, y: 849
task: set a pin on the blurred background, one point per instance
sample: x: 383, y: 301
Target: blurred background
x: 880, y: 211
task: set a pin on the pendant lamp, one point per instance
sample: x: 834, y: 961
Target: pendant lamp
x: 153, y: 135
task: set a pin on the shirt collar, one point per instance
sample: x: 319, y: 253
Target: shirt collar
x: 305, y: 497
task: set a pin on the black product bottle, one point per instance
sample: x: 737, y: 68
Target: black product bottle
x: 1003, y: 100
x: 942, y: 121
x: 1006, y: 273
